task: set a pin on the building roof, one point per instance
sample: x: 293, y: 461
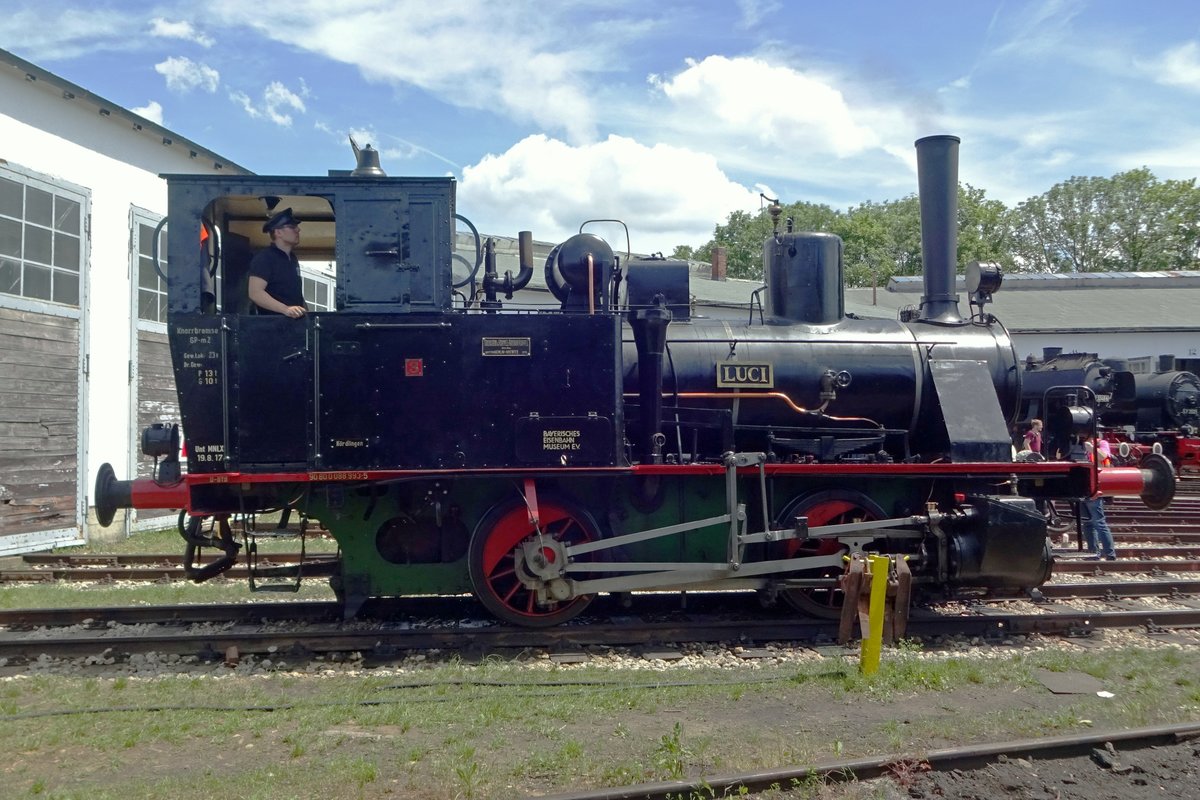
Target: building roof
x: 70, y: 92
x: 1039, y: 281
x: 1067, y: 302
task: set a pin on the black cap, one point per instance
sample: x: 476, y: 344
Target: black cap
x: 279, y: 220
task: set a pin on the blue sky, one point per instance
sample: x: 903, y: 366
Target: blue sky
x: 667, y: 115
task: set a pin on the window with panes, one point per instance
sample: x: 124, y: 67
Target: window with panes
x: 151, y: 280
x: 41, y: 240
x: 316, y: 292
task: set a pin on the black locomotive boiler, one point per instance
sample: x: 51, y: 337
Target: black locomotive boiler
x: 538, y: 457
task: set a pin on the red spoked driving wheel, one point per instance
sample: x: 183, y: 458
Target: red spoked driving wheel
x: 833, y: 507
x: 502, y: 583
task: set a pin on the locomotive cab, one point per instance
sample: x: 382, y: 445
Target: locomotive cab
x: 377, y: 378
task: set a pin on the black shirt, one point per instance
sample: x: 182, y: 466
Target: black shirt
x: 281, y: 271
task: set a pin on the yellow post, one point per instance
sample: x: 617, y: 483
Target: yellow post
x: 873, y: 641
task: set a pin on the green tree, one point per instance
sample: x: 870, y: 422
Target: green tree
x: 1131, y: 221
x: 881, y: 240
x: 1153, y: 223
x: 811, y: 217
x: 985, y: 228
x: 1034, y: 237
x: 743, y: 235
x: 1067, y: 229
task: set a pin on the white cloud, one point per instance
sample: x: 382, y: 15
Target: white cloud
x: 73, y: 31
x: 179, y: 30
x: 755, y: 11
x: 666, y: 195
x: 815, y: 135
x: 1178, y: 66
x: 57, y: 30
x: 778, y: 106
x: 243, y: 100
x: 1040, y: 29
x: 152, y: 111
x: 1170, y: 161
x: 183, y: 75
x: 516, y: 62
x: 277, y: 100
x: 364, y: 136
x: 513, y: 62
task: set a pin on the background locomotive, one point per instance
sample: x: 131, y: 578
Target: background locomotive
x: 1142, y: 409
x: 538, y: 457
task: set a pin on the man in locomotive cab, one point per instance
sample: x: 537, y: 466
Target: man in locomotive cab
x: 275, y: 284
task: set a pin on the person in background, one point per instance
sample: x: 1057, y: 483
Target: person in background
x: 275, y: 284
x: 1033, y: 452
x: 1096, y: 532
x: 1033, y: 437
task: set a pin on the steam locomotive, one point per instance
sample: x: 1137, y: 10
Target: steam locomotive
x: 1157, y: 411
x: 614, y: 443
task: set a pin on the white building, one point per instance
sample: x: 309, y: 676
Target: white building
x: 82, y: 327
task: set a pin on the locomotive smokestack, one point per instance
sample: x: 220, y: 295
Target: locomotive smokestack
x: 937, y: 181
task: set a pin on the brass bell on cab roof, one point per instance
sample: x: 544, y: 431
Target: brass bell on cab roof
x: 368, y: 161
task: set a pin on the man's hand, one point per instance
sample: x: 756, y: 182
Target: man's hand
x: 295, y: 312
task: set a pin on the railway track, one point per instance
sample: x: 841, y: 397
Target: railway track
x: 1148, y: 563
x: 302, y: 630
x: 301, y: 642
x: 1181, y: 590
x: 902, y: 767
